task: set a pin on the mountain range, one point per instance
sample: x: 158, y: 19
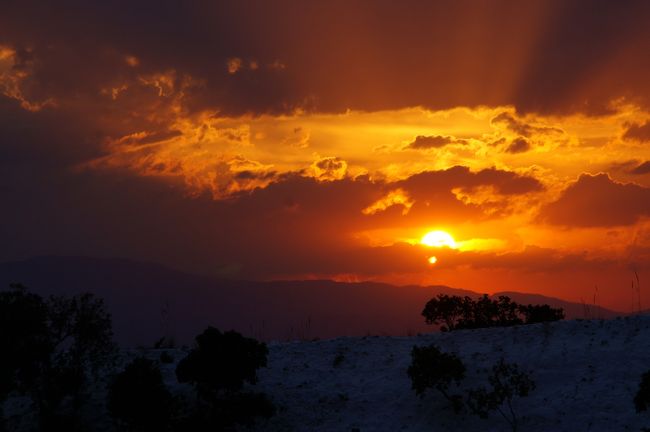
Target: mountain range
x: 148, y: 301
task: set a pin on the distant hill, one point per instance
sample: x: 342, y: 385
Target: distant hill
x: 148, y: 301
x: 571, y: 310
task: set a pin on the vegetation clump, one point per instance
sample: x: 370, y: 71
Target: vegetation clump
x: 138, y: 399
x: 433, y: 369
x: 56, y: 349
x: 506, y: 383
x: 455, y: 312
x: 218, y: 368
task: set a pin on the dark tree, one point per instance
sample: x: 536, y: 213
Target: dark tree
x: 218, y: 368
x: 52, y: 349
x: 506, y: 383
x: 433, y: 369
x: 445, y: 310
x: 534, y: 314
x: 24, y: 338
x: 454, y: 312
x: 81, y: 335
x: 138, y: 398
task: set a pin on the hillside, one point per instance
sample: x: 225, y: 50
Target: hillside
x: 163, y: 301
x: 586, y: 372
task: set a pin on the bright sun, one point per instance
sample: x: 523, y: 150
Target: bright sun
x: 438, y: 239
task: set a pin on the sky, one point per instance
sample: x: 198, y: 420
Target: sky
x: 300, y: 140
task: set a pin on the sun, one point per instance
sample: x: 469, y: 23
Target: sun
x: 438, y: 239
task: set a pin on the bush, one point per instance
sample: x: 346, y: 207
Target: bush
x: 433, y: 369
x: 507, y: 382
x: 138, y: 398
x: 454, y: 312
x: 642, y: 398
x: 218, y: 368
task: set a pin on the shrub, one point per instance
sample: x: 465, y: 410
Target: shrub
x: 218, y: 368
x: 454, y: 312
x: 138, y: 398
x: 507, y: 382
x: 642, y: 398
x: 433, y: 369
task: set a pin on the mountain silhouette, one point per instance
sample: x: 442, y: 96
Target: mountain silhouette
x: 149, y: 301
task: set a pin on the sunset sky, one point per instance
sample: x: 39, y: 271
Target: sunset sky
x: 325, y: 139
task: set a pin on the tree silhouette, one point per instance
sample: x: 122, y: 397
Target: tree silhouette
x: 433, y: 369
x: 455, y: 313
x: 507, y: 382
x: 218, y: 368
x: 24, y: 338
x: 138, y: 398
x: 53, y: 349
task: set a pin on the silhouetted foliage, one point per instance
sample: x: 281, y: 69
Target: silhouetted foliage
x: 138, y: 398
x: 24, y: 338
x: 164, y: 342
x: 507, y: 382
x: 218, y: 368
x: 53, y: 349
x: 454, y: 312
x: 81, y: 332
x: 642, y: 398
x: 166, y: 357
x: 433, y: 369
x: 445, y: 310
x: 540, y: 313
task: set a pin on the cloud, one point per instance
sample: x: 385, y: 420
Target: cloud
x: 392, y: 198
x: 518, y: 145
x: 598, y: 201
x: 522, y: 128
x: 444, y: 195
x: 643, y: 168
x: 549, y: 68
x: 436, y: 141
x: 328, y: 168
x: 638, y: 132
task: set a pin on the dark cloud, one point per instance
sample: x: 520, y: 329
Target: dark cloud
x: 435, y: 141
x: 436, y: 194
x: 522, y: 128
x: 597, y: 200
x: 638, y: 132
x: 505, y: 182
x: 643, y: 168
x: 518, y: 145
x: 567, y: 57
x: 329, y: 168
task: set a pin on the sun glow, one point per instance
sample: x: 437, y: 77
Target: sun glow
x: 433, y: 260
x: 438, y: 239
